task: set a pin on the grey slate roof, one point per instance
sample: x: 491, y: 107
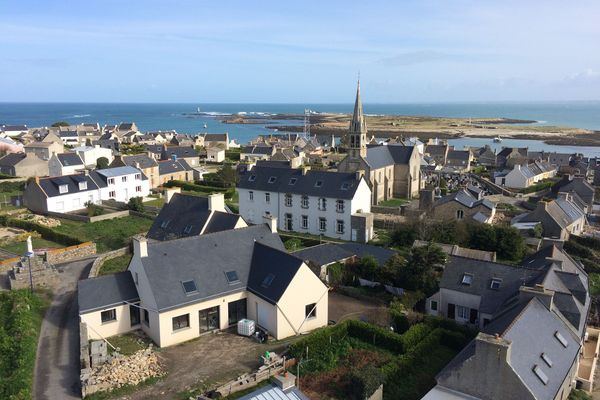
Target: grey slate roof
x: 328, y: 253
x: 69, y: 159
x: 578, y: 185
x: 187, y: 215
x: 106, y: 291
x: 333, y: 184
x: 143, y: 160
x: 263, y: 150
x: 459, y: 155
x: 204, y: 259
x: 178, y: 151
x: 215, y: 137
x: 118, y: 171
x: 466, y: 198
x: 51, y: 185
x: 170, y: 166
x: 11, y: 159
x: 385, y: 155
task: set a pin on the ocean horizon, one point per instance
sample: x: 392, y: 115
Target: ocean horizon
x: 176, y: 116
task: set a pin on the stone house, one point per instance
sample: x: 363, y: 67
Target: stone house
x: 216, y: 139
x: 143, y: 162
x: 459, y: 160
x: 254, y: 153
x: 465, y: 204
x: 508, y: 157
x: 44, y: 150
x: 23, y: 165
x: 174, y: 170
x: 178, y: 290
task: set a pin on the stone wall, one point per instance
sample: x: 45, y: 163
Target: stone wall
x: 70, y: 253
x: 43, y: 275
x: 85, y: 218
x: 107, y: 256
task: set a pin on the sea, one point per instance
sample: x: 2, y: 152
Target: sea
x: 192, y: 118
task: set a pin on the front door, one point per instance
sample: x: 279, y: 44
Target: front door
x: 237, y: 311
x: 209, y: 319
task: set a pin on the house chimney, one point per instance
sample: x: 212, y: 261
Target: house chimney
x: 491, y: 349
x: 305, y: 169
x: 170, y: 192
x: 271, y: 222
x: 140, y: 246
x: 216, y: 202
x: 518, y: 167
x: 359, y: 174
x: 544, y: 295
x: 37, y: 179
x: 564, y: 196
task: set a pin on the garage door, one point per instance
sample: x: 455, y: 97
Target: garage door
x: 262, y: 315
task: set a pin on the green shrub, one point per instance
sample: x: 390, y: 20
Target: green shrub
x: 293, y: 244
x: 192, y: 187
x: 375, y: 335
x: 364, y: 382
x: 414, y: 335
x: 136, y: 204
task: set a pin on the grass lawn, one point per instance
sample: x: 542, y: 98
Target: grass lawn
x: 394, y: 203
x: 21, y: 247
x: 21, y: 314
x: 594, y: 283
x: 128, y: 343
x: 109, y: 234
x: 159, y: 202
x: 114, y: 265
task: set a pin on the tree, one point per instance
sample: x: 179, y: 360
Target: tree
x: 293, y: 244
x: 60, y: 123
x: 510, y: 245
x: 227, y: 175
x: 368, y: 267
x: 421, y: 269
x: 136, y: 204
x: 404, y: 235
x: 388, y: 273
x: 102, y: 163
x: 365, y: 381
x: 482, y: 236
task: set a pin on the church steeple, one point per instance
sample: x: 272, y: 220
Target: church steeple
x: 357, y: 133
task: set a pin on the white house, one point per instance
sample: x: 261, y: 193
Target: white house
x: 333, y: 204
x: 70, y: 192
x: 523, y: 176
x: 91, y: 154
x: 178, y: 290
x: 65, y: 164
x: 215, y: 154
x: 13, y: 130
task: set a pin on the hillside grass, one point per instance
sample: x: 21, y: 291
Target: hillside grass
x: 21, y: 314
x: 114, y: 265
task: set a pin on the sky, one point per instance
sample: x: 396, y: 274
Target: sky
x: 300, y: 51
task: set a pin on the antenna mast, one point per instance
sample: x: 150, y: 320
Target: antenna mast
x: 306, y: 123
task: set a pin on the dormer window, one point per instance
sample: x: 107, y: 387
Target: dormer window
x: 467, y: 279
x: 251, y: 178
x: 272, y: 179
x: 293, y: 181
x: 495, y: 284
x: 345, y: 186
x: 63, y: 189
x: 83, y: 185
x: 318, y: 184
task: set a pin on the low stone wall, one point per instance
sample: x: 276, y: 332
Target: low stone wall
x: 7, y: 264
x: 107, y: 256
x: 84, y: 347
x: 70, y: 253
x: 85, y: 218
x: 387, y: 210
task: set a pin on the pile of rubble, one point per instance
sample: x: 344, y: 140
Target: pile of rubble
x: 40, y: 219
x: 119, y: 370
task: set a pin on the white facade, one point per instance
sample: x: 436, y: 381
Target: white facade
x: 123, y: 187
x: 215, y: 154
x: 90, y: 155
x: 72, y: 201
x: 55, y: 168
x: 306, y: 214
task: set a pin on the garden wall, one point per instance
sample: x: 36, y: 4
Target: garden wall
x: 105, y: 257
x: 85, y: 218
x: 57, y: 256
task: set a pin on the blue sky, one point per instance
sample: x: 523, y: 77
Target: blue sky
x: 279, y: 51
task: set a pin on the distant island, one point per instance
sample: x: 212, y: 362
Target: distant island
x: 425, y: 127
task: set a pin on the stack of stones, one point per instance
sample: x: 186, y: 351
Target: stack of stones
x: 119, y: 370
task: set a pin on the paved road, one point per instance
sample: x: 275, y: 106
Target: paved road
x: 56, y: 373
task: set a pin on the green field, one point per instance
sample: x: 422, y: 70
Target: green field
x: 109, y: 234
x: 115, y: 265
x: 21, y: 247
x: 21, y: 315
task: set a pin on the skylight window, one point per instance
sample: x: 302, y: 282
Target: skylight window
x: 561, y: 339
x: 188, y: 229
x: 272, y: 179
x: 467, y: 279
x: 318, y: 183
x: 268, y: 280
x: 495, y: 284
x: 165, y: 223
x: 232, y: 277
x: 252, y: 178
x: 189, y: 287
x: 345, y: 186
x: 546, y: 359
x: 293, y: 181
x: 540, y: 374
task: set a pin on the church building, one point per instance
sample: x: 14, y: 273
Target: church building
x: 392, y: 171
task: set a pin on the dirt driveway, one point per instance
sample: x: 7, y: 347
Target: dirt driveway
x: 206, y: 362
x: 343, y: 307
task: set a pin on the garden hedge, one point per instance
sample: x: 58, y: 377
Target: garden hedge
x: 46, y: 232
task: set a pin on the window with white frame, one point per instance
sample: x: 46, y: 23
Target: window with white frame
x: 83, y: 185
x: 339, y: 206
x: 339, y: 226
x: 462, y: 313
x: 138, y: 177
x: 288, y: 222
x: 460, y: 214
x: 304, y: 203
x: 181, y: 322
x: 63, y: 189
x: 251, y: 195
x: 111, y: 181
x: 322, y: 224
x: 304, y: 222
x: 112, y: 194
x: 138, y: 189
x: 322, y: 204
x: 267, y: 198
x: 108, y: 315
x: 288, y: 200
x: 123, y: 179
x: 433, y: 305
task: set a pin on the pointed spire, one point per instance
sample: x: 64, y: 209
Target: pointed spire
x: 358, y: 121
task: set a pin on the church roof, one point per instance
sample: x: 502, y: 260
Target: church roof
x: 358, y: 123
